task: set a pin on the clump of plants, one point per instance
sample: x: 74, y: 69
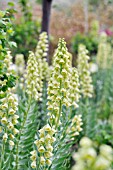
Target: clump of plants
x: 45, y: 114
x: 89, y: 156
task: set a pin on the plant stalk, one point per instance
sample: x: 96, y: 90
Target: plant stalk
x: 19, y: 136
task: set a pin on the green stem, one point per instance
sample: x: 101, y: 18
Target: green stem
x: 3, y: 144
x: 70, y: 113
x: 60, y: 105
x: 2, y: 155
x: 60, y: 110
x: 86, y: 116
x: 19, y: 136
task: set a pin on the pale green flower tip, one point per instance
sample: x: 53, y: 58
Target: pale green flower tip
x: 48, y: 162
x: 41, y: 149
x: 102, y: 163
x: 42, y: 160
x: 90, y: 154
x: 47, y: 128
x: 15, y: 131
x: 19, y: 60
x: 5, y: 137
x: 106, y: 150
x: 11, y: 143
x: 4, y: 120
x: 85, y: 142
x: 48, y: 154
x: 10, y: 126
x: 33, y: 164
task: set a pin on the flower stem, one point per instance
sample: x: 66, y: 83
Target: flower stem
x: 86, y: 116
x: 3, y: 148
x: 19, y: 136
x: 60, y: 104
x: 2, y: 155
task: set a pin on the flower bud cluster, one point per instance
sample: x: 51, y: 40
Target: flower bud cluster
x: 33, y: 158
x: 42, y: 46
x: 95, y: 28
x: 6, y: 65
x: 20, y: 64
x: 58, y: 93
x: 8, y: 118
x: 8, y: 61
x: 37, y: 67
x: 75, y: 128
x: 59, y: 87
x: 87, y: 156
x: 41, y: 54
x: 46, y: 70
x: 74, y: 87
x: 8, y: 71
x: 2, y: 82
x: 104, y: 55
x: 32, y: 77
x: 44, y: 146
x: 84, y: 73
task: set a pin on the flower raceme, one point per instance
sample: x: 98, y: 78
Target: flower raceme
x: 74, y: 87
x: 58, y: 93
x: 44, y: 146
x: 32, y: 78
x: 41, y: 54
x: 42, y: 46
x: 20, y: 70
x: 104, y: 55
x: 63, y: 89
x: 8, y: 118
x: 75, y: 128
x: 8, y: 107
x: 37, y: 68
x: 84, y: 73
x: 8, y: 62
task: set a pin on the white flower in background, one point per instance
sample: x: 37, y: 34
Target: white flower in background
x: 84, y: 73
x: 93, y: 67
x: 20, y: 64
x: 104, y: 54
x: 13, y: 67
x: 74, y: 87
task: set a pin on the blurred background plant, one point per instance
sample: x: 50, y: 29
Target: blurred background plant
x: 26, y: 29
x: 92, y: 156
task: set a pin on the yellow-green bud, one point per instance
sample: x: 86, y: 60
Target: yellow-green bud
x: 33, y: 164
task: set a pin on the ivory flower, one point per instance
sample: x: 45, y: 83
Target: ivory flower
x: 32, y: 77
x: 84, y: 73
x: 58, y: 94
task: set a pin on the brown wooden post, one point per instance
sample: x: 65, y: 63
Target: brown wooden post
x: 46, y: 7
